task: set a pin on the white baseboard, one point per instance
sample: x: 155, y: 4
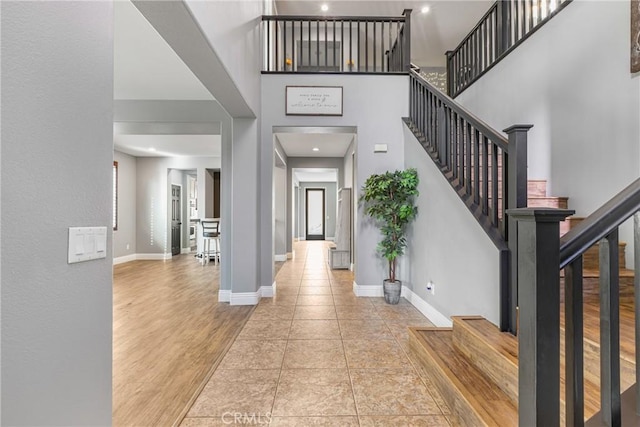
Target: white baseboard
x: 351, y: 267
x: 427, y: 309
x: 268, y: 291
x: 123, y: 259
x: 280, y: 258
x: 244, y: 298
x: 224, y: 295
x: 331, y: 239
x: 367, y: 290
x: 185, y: 251
x: 290, y: 255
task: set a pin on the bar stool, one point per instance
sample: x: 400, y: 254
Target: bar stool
x: 210, y: 233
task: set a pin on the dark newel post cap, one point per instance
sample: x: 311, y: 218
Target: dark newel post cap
x: 540, y: 214
x: 517, y: 128
x: 448, y: 53
x: 407, y: 11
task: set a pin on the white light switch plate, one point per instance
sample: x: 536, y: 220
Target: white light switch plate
x: 87, y: 243
x: 380, y: 148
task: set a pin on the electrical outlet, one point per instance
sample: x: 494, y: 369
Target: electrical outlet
x: 431, y: 287
x: 127, y: 246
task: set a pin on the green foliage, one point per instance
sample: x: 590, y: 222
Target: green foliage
x: 389, y: 199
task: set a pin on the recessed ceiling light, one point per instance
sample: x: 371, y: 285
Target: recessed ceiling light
x: 152, y: 149
x: 315, y: 149
x: 425, y: 9
x: 324, y: 7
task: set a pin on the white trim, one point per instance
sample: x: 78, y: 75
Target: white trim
x: 224, y: 295
x: 351, y: 267
x: 154, y: 257
x: 123, y: 259
x: 367, y: 290
x: 244, y: 298
x: 280, y: 258
x: 290, y: 255
x: 427, y: 309
x: 185, y: 251
x: 268, y: 291
x: 331, y: 239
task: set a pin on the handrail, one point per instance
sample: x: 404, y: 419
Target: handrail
x: 473, y: 30
x: 506, y: 25
x: 290, y: 18
x: 487, y: 171
x: 542, y: 256
x: 600, y: 224
x: 337, y: 44
x: 476, y: 122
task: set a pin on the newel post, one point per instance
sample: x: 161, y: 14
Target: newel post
x: 539, y: 301
x: 516, y: 180
x: 450, y: 72
x: 406, y: 51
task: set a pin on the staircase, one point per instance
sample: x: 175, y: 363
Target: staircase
x: 537, y: 197
x: 474, y: 366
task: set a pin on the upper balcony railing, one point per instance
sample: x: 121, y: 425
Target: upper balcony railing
x: 505, y: 25
x: 337, y: 44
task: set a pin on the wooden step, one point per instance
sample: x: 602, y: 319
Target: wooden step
x: 537, y: 188
x: 493, y: 352
x: 548, y: 202
x: 472, y: 396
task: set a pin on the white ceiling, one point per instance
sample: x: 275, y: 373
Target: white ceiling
x: 145, y: 67
x: 315, y: 175
x: 302, y: 144
x: 432, y: 34
x: 169, y: 145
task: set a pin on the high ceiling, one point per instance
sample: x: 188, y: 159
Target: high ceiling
x: 432, y: 34
x: 146, y: 67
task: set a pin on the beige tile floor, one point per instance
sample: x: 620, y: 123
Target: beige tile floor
x: 316, y: 354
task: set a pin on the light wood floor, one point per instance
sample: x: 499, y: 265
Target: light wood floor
x: 168, y: 333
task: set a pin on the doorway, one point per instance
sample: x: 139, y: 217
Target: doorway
x: 176, y: 219
x: 315, y: 214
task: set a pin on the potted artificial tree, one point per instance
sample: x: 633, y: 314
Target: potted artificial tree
x: 389, y: 199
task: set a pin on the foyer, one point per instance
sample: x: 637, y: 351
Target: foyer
x: 315, y: 354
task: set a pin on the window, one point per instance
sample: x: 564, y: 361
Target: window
x: 115, y: 195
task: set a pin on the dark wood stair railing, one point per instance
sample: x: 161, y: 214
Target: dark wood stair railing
x: 337, y: 44
x: 503, y: 27
x: 487, y: 170
x: 542, y: 253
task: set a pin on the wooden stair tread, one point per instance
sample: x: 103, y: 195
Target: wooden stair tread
x: 500, y: 345
x: 504, y: 343
x: 487, y: 401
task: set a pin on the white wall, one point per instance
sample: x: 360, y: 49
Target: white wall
x: 375, y: 105
x: 126, y: 232
x: 280, y: 210
x: 571, y: 81
x: 56, y: 171
x: 446, y: 245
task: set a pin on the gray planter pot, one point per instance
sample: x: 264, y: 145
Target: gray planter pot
x: 392, y: 291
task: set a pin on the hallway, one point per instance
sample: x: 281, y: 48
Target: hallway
x: 318, y: 355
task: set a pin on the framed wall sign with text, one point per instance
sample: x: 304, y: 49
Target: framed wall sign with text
x: 313, y: 100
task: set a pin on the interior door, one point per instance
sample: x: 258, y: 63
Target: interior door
x: 314, y: 213
x: 176, y: 220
